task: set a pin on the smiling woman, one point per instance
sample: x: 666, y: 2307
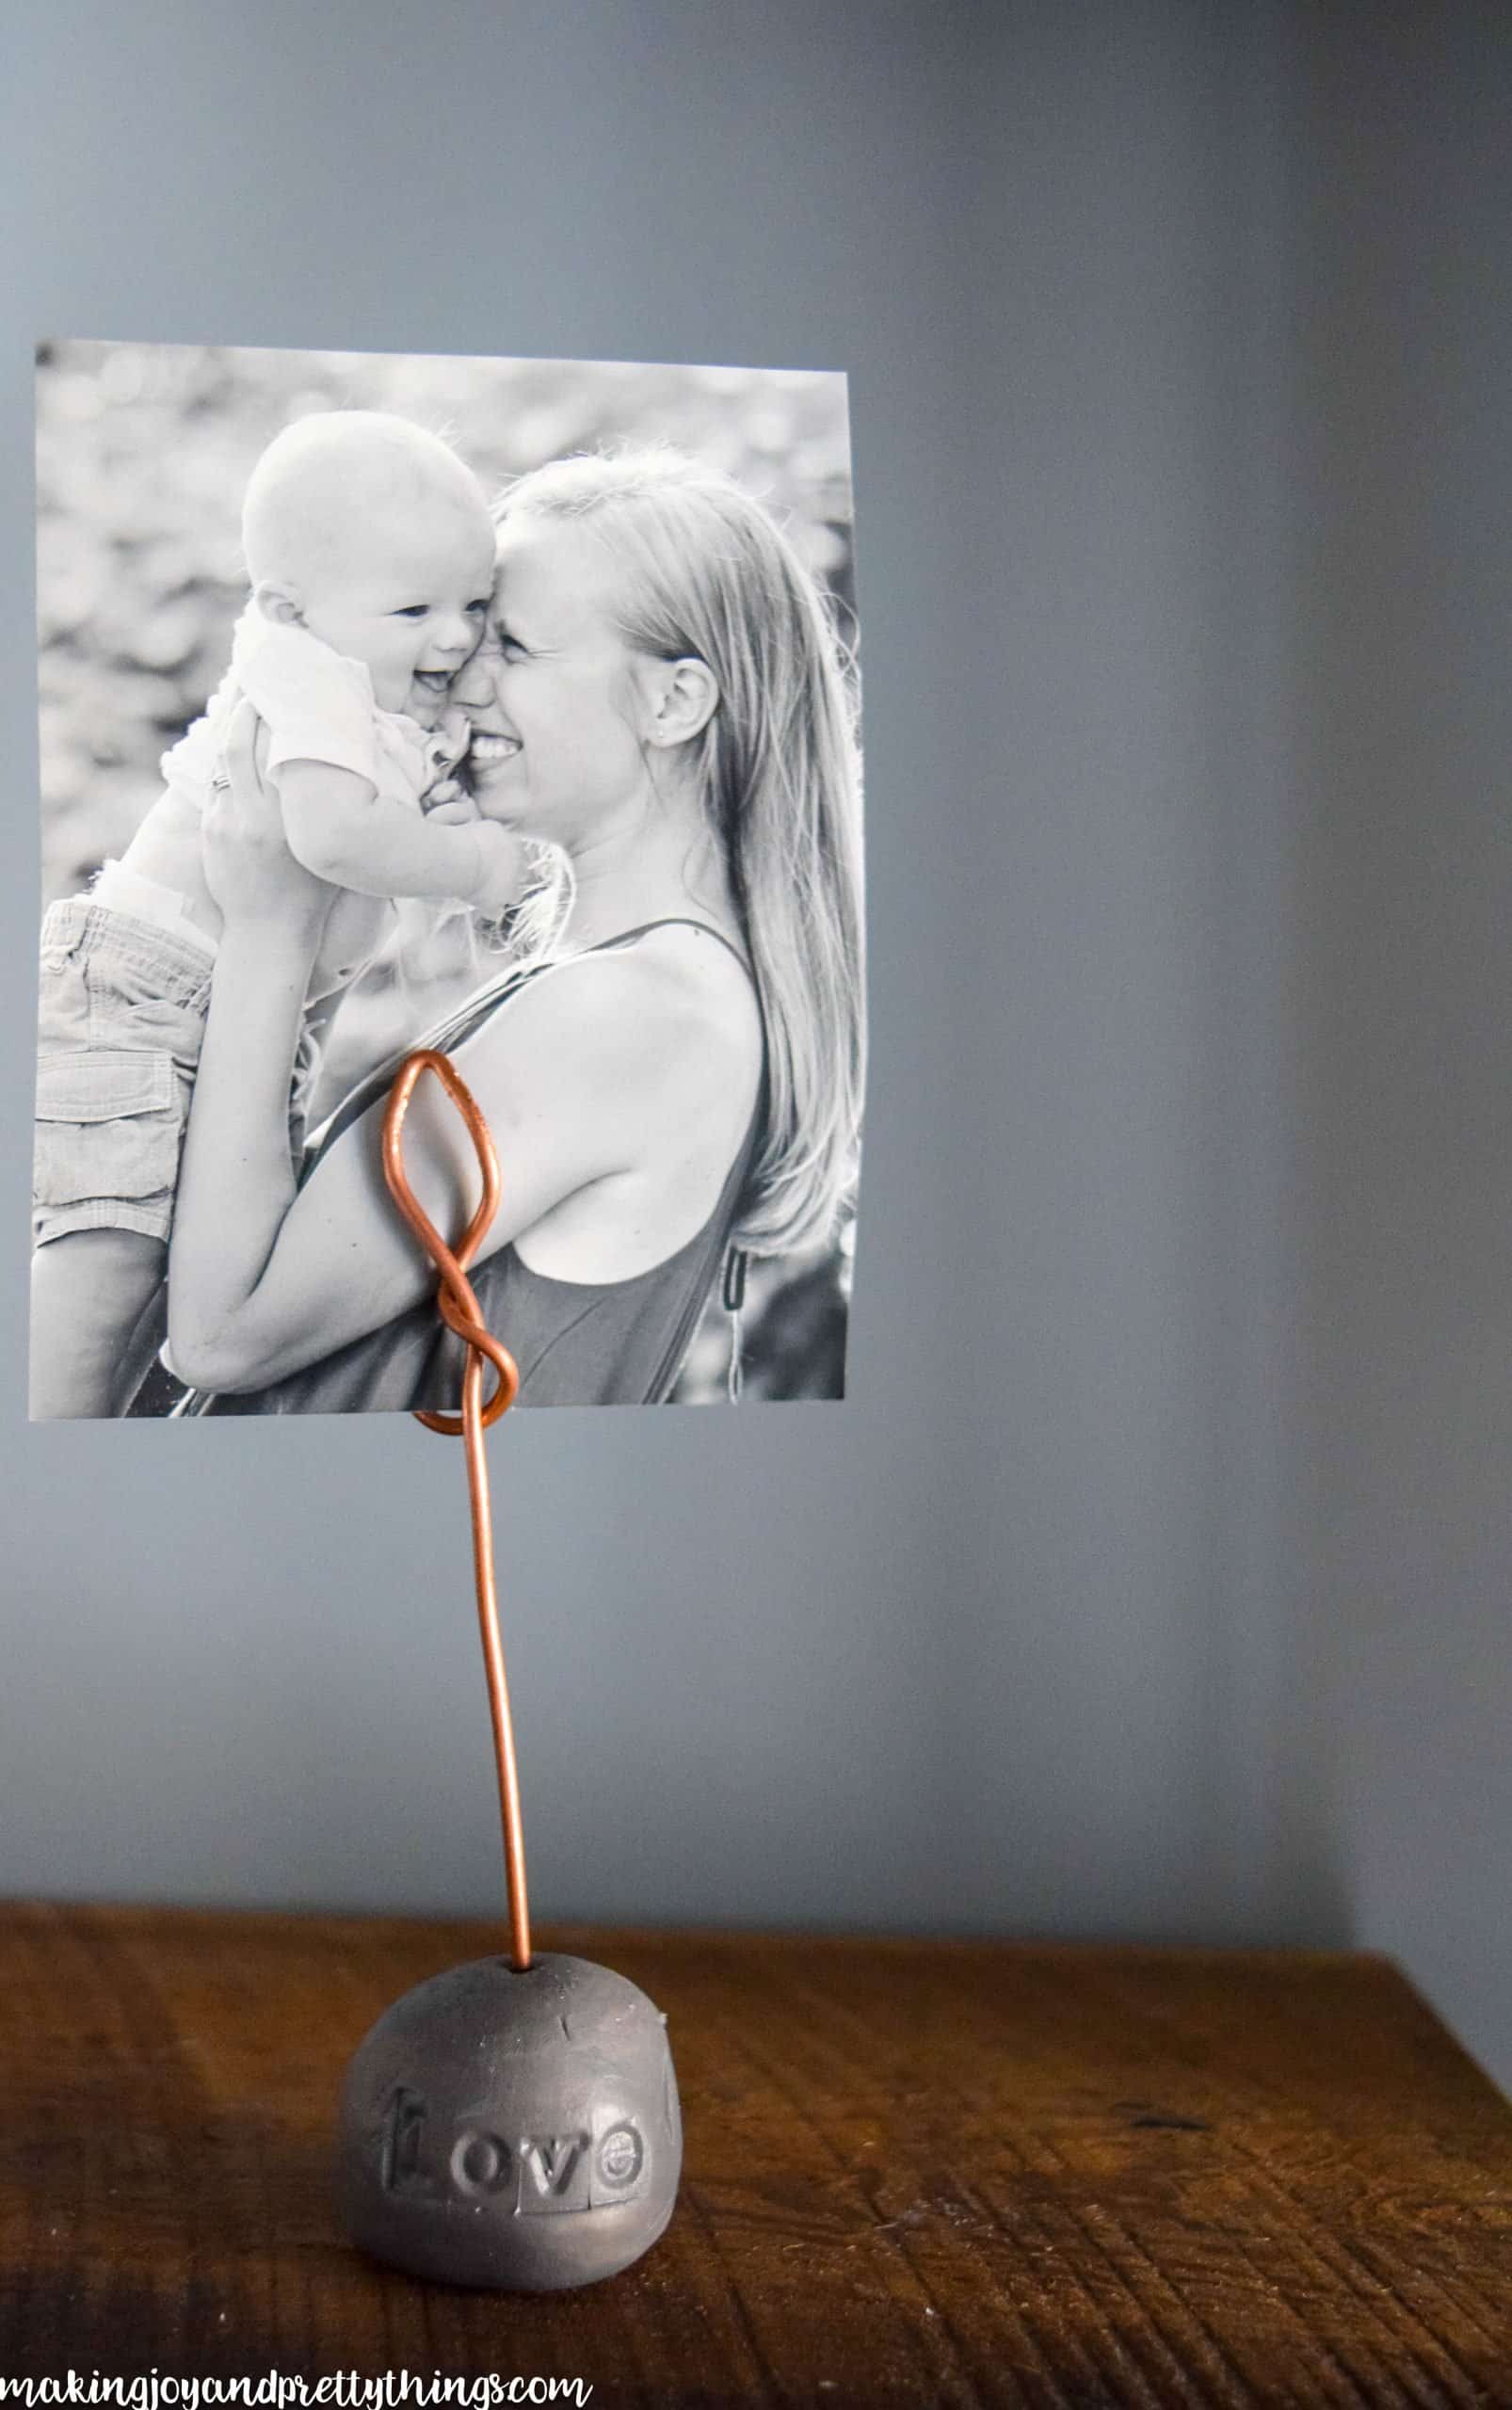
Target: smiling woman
x: 666, y: 705
x: 727, y: 640
x: 658, y: 706
x: 552, y: 695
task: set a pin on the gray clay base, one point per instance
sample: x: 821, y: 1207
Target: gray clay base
x: 519, y: 2131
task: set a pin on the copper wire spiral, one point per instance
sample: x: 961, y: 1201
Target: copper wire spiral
x: 459, y: 1309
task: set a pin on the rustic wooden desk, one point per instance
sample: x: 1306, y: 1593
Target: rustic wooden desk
x: 915, y: 2173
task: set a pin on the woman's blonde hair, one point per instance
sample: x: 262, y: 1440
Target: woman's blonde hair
x: 706, y: 572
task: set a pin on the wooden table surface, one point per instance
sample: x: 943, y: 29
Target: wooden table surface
x: 915, y: 2173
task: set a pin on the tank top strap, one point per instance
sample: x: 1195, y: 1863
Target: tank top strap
x: 669, y: 920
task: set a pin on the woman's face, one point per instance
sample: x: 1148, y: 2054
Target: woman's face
x: 552, y: 691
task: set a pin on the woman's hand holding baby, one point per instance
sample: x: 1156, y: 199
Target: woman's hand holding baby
x: 248, y: 865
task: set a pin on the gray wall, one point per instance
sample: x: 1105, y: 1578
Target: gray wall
x: 1404, y: 1079
x: 1154, y: 1579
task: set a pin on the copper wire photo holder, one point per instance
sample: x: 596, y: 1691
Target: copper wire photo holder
x: 511, y: 2123
x: 460, y: 1310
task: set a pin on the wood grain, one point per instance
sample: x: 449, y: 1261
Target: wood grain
x: 916, y: 2173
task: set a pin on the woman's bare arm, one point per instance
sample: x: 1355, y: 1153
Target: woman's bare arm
x: 264, y: 1279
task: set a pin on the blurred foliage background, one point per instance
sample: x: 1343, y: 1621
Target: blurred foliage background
x: 143, y: 451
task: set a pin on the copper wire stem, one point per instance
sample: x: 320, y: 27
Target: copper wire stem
x: 488, y: 1617
x: 458, y: 1309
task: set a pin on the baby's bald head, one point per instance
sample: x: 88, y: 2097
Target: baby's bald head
x: 372, y: 536
x: 330, y: 480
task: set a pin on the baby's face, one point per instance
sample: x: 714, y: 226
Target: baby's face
x: 408, y: 593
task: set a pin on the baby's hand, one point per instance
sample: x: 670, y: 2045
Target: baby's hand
x: 501, y: 867
x: 453, y: 733
x: 449, y: 803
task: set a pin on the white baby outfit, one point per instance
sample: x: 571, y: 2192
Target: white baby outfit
x: 318, y: 706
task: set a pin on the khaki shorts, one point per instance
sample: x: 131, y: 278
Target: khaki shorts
x: 120, y: 1023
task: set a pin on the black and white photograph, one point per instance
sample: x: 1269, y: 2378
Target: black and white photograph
x: 504, y: 707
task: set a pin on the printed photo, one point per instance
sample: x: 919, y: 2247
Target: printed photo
x: 505, y: 707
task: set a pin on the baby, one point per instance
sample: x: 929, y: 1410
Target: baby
x: 370, y: 551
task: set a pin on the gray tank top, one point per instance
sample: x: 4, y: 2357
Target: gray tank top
x: 576, y: 1342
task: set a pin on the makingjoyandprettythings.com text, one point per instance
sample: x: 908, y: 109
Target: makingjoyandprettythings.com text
x: 274, y: 2391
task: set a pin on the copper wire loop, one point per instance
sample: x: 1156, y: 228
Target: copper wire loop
x: 457, y: 1306
x: 458, y: 1309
